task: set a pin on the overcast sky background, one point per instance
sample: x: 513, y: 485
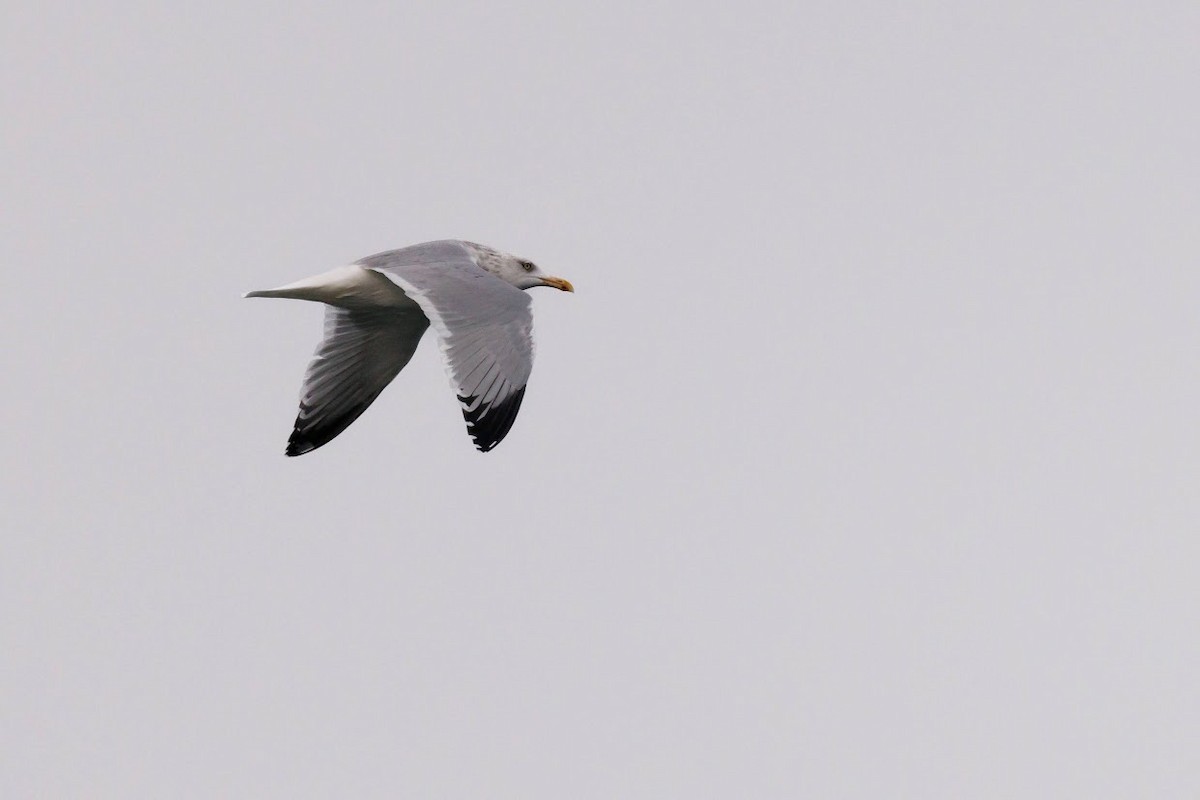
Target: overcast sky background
x: 863, y: 462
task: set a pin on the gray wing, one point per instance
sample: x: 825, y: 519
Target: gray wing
x: 484, y: 327
x: 361, y: 352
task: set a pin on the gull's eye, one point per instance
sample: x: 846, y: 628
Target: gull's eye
x: 527, y: 266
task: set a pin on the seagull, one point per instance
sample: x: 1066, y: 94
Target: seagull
x: 376, y: 311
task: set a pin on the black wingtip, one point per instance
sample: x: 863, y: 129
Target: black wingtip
x: 313, y: 431
x: 298, y: 444
x: 308, y: 434
x: 489, y: 425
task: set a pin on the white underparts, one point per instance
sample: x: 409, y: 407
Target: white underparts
x: 351, y: 287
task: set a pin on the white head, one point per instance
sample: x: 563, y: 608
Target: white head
x: 520, y: 272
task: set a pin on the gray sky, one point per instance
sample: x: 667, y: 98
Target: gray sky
x: 863, y: 463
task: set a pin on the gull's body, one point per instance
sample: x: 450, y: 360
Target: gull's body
x: 377, y: 311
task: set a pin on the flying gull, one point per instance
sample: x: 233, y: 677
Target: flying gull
x: 376, y: 312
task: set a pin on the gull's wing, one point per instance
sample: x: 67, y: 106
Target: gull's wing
x: 484, y: 328
x: 361, y: 352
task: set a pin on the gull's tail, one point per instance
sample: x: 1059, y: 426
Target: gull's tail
x: 324, y: 288
x: 270, y: 293
x: 341, y: 286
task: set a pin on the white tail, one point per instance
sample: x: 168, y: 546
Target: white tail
x: 348, y: 287
x: 269, y: 293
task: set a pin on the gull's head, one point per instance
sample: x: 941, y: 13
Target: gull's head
x: 525, y: 274
x: 520, y: 272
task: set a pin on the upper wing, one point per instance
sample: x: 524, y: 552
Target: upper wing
x: 361, y: 352
x: 484, y: 328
